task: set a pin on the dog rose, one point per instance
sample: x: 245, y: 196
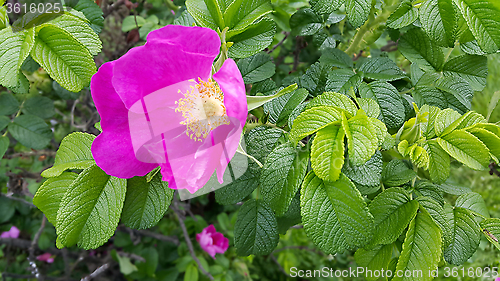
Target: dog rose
x: 12, y: 233
x: 212, y: 242
x: 162, y: 105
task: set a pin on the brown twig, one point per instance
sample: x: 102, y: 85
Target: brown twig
x: 494, y: 170
x: 279, y: 265
x: 18, y: 200
x: 157, y: 236
x: 33, y: 247
x: 97, y: 272
x: 298, y: 47
x: 180, y: 218
x: 48, y: 153
x: 279, y: 43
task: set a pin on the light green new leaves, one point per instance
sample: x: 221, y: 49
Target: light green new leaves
x: 49, y: 196
x: 392, y: 211
x: 421, y: 249
x: 483, y: 19
x: 465, y: 236
x: 282, y: 174
x: 417, y: 47
x: 241, y: 13
x: 358, y: 11
x: 90, y: 210
x: 327, y: 153
x: 146, y: 202
x: 312, y: 120
x: 65, y: 58
x: 14, y: 49
x: 334, y: 214
x: 439, y: 162
x: 339, y: 101
x: 361, y: 138
x: 31, y: 131
x: 256, y: 101
x: 439, y: 21
x: 73, y: 153
x: 491, y: 229
x: 256, y: 229
x: 471, y: 68
x: 489, y: 134
x: 466, y: 148
x: 389, y: 100
x: 374, y: 259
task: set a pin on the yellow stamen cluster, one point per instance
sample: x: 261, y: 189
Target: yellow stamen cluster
x: 203, y: 109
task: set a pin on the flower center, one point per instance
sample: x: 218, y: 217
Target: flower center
x: 203, y: 109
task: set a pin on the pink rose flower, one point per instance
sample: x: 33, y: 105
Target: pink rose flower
x: 212, y: 242
x: 12, y: 233
x: 47, y: 257
x: 161, y: 105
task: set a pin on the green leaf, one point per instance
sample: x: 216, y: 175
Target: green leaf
x: 282, y: 175
x: 439, y: 21
x: 325, y: 6
x: 374, y: 259
x: 255, y: 38
x: 483, y: 19
x: 241, y: 13
x: 126, y: 267
x: 49, y: 196
x: 382, y: 69
x: 295, y: 113
x: 472, y: 68
x: 392, y: 211
x: 207, y: 13
x: 4, y: 145
x: 429, y: 190
x: 30, y: 131
x: 327, y: 153
x: 389, y: 100
x: 146, y: 202
x: 361, y: 138
x: 261, y: 141
x: 63, y: 93
x: 465, y: 237
x: 185, y: 19
x: 132, y: 22
x: 474, y: 202
x: 256, y: 68
x: 323, y: 40
x: 358, y: 11
x: 439, y: 161
x: 339, y: 101
x: 438, y: 214
x: 66, y: 60
x: 337, y: 58
x: 314, y: 80
x: 280, y: 108
x: 14, y: 49
x: 73, y: 153
x: 334, y: 214
x: 430, y: 96
x: 312, y: 120
x: 397, y: 173
x: 256, y: 101
x: 458, y: 93
x: 237, y: 190
x: 466, y: 148
x: 191, y: 272
x: 404, y: 15
x: 454, y: 189
x: 417, y: 47
x: 427, y: 128
x: 256, y: 229
x: 90, y: 210
x: 291, y: 217
x: 92, y: 12
x: 490, y: 139
x: 445, y: 121
x: 366, y: 177
x: 342, y: 80
x: 81, y: 31
x: 491, y: 229
x: 421, y: 249
x: 40, y: 106
x: 305, y: 22
x: 8, y: 104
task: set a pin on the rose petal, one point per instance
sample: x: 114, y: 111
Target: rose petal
x: 112, y: 149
